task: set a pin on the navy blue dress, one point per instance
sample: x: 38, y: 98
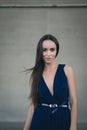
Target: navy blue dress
x: 52, y: 118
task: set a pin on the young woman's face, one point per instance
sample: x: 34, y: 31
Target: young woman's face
x: 49, y: 51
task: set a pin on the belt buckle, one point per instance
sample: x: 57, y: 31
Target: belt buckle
x: 52, y: 105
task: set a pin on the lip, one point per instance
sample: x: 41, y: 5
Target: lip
x: 48, y: 58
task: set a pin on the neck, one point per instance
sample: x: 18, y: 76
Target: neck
x: 50, y: 66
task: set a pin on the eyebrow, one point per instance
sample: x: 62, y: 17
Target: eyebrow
x: 52, y: 48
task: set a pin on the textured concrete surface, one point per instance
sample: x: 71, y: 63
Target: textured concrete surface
x: 38, y: 2
x: 20, y: 30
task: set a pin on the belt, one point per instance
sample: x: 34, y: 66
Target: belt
x: 53, y: 105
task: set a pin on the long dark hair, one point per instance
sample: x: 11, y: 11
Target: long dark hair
x: 37, y: 70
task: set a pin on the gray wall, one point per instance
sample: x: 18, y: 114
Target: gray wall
x: 20, y: 30
x: 38, y: 2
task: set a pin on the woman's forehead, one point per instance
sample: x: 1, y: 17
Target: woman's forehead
x: 48, y: 44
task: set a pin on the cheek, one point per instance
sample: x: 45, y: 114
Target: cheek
x: 43, y: 55
x: 54, y: 54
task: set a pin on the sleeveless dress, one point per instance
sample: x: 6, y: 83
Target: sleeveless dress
x: 52, y: 118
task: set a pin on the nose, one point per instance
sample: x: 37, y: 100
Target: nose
x: 48, y: 52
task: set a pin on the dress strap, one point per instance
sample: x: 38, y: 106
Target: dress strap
x: 62, y: 70
x: 62, y: 66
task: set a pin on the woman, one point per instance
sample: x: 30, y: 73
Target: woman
x: 53, y: 92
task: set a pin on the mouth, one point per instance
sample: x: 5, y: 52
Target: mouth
x: 48, y: 58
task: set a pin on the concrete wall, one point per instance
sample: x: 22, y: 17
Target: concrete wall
x: 20, y: 30
x: 38, y: 2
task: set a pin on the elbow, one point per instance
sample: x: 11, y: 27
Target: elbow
x: 73, y: 102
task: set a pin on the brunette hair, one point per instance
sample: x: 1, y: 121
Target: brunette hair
x: 37, y: 70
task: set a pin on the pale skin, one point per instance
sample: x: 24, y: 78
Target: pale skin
x: 49, y: 53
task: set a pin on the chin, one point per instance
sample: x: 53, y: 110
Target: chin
x: 48, y: 62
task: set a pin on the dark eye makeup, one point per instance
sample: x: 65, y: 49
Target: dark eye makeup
x: 44, y: 49
x: 51, y: 49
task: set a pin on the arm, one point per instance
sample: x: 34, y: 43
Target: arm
x: 29, y: 117
x: 73, y: 97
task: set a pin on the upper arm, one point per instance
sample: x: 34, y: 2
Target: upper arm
x: 71, y: 83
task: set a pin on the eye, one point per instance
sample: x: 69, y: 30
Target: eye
x: 44, y: 49
x: 52, y: 49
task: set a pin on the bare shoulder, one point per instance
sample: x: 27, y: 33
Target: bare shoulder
x: 68, y: 70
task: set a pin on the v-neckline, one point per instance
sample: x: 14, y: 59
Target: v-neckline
x: 53, y: 82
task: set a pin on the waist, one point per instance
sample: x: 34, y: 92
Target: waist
x: 53, y: 105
